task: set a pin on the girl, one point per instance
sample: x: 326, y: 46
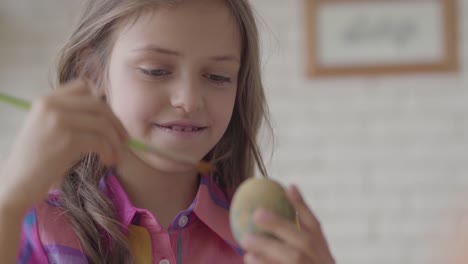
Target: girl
x: 182, y: 76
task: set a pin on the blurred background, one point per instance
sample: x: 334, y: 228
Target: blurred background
x: 381, y: 159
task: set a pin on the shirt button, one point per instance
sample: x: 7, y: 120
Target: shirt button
x: 164, y: 261
x: 183, y: 221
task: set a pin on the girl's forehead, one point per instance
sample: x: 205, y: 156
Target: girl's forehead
x: 194, y: 13
x: 192, y: 26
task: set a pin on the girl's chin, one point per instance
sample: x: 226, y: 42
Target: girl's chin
x: 164, y: 164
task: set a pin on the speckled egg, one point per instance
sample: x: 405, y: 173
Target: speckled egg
x: 257, y: 193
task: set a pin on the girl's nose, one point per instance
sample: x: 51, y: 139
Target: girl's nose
x: 187, y: 95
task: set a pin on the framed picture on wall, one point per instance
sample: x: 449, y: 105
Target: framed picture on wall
x: 370, y: 37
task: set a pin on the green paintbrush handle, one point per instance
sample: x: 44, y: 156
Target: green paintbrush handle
x: 23, y: 104
x: 132, y: 143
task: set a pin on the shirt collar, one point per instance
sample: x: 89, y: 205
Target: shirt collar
x: 210, y: 205
x: 125, y: 209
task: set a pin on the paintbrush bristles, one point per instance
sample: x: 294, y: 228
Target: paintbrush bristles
x: 205, y: 167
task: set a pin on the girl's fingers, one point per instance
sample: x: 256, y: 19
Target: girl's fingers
x: 90, y: 105
x: 117, y: 125
x: 85, y: 100
x: 272, y: 250
x: 107, y: 110
x: 292, y: 245
x: 99, y: 126
x: 307, y: 218
x: 286, y: 231
x: 68, y: 124
x: 78, y: 86
x: 311, y: 226
x: 90, y: 142
x: 93, y: 106
x: 74, y: 87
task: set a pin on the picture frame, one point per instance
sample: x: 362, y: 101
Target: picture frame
x: 373, y: 37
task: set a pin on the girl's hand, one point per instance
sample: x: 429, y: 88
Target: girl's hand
x: 305, y: 246
x: 58, y: 131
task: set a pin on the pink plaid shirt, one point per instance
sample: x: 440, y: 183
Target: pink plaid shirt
x: 199, y: 234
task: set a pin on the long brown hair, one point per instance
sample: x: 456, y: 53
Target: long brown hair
x: 87, y: 52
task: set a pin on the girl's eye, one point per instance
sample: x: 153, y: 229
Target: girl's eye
x: 155, y: 73
x: 218, y: 78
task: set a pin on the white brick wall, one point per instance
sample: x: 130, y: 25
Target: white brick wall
x: 30, y: 35
x: 383, y: 161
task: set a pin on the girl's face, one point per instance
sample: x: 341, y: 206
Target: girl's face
x: 173, y: 77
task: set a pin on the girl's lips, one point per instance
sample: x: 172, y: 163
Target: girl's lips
x: 181, y: 131
x: 180, y: 128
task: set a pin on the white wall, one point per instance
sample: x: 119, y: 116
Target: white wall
x: 383, y: 161
x: 30, y: 35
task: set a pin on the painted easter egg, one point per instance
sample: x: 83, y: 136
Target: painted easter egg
x: 257, y: 193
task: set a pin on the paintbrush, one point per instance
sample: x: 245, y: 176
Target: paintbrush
x: 202, y: 166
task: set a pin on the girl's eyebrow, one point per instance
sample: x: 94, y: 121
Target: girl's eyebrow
x: 157, y: 49
x: 226, y: 58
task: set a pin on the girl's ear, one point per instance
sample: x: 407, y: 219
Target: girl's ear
x: 99, y: 90
x: 89, y: 65
x: 96, y: 89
